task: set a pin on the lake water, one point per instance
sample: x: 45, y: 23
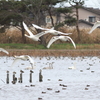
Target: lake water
x: 59, y: 83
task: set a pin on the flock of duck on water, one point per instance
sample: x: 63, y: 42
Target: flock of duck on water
x: 58, y: 36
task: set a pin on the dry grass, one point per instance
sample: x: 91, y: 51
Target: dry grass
x: 14, y: 35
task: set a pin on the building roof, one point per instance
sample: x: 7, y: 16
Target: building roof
x: 86, y: 22
x: 93, y: 10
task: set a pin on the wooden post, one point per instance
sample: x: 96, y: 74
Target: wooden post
x: 14, y: 78
x: 21, y: 78
x: 31, y: 76
x: 7, y: 80
x: 40, y: 76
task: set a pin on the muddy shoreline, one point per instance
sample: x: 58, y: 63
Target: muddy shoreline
x: 49, y: 52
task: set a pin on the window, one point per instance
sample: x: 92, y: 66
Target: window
x: 48, y: 20
x: 92, y: 19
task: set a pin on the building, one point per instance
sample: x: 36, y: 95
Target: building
x: 87, y: 17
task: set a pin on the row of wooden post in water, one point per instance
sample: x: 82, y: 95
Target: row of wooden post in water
x: 20, y: 80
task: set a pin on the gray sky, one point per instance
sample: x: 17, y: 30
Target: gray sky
x: 92, y: 3
x: 88, y: 3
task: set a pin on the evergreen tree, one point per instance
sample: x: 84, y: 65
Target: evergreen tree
x: 77, y: 4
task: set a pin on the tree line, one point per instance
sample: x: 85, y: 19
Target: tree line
x: 14, y: 12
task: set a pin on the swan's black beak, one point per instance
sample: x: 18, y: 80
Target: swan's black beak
x: 58, y: 35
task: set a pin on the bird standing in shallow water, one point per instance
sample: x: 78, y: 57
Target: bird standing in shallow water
x: 72, y: 67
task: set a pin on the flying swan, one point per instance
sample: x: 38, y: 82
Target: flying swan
x: 96, y: 24
x: 31, y: 35
x: 51, y: 31
x: 62, y: 38
x: 25, y: 58
x: 3, y: 50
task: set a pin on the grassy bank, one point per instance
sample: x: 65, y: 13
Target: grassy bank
x: 53, y: 46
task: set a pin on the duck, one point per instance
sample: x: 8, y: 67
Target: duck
x: 57, y: 91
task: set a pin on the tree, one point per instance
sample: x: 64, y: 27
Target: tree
x: 48, y: 6
x: 12, y: 13
x: 77, y: 4
x: 38, y: 9
x: 69, y: 19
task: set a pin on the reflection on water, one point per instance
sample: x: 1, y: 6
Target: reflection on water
x: 59, y: 82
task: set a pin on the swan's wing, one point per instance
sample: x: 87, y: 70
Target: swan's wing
x: 72, y: 41
x: 26, y: 28
x: 31, y: 61
x: 66, y: 33
x: 94, y: 27
x: 15, y: 61
x: 53, y: 39
x: 3, y: 50
x: 38, y: 27
x: 52, y: 28
x: 41, y: 34
x: 62, y: 33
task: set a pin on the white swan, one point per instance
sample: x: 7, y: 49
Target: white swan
x: 96, y: 24
x: 63, y: 38
x: 51, y: 31
x: 24, y: 57
x: 72, y: 67
x: 3, y: 50
x: 29, y: 68
x: 38, y: 27
x: 31, y: 35
x: 50, y: 66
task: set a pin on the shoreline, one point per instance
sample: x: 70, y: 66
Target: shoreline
x: 52, y: 52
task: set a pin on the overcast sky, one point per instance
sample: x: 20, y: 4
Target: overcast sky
x: 88, y: 3
x: 92, y: 3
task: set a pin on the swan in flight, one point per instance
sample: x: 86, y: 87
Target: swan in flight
x: 51, y: 31
x: 38, y: 27
x: 25, y: 58
x: 3, y: 50
x: 31, y: 35
x: 96, y: 24
x: 62, y: 38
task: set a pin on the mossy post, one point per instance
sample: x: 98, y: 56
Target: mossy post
x: 7, y: 80
x: 40, y: 76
